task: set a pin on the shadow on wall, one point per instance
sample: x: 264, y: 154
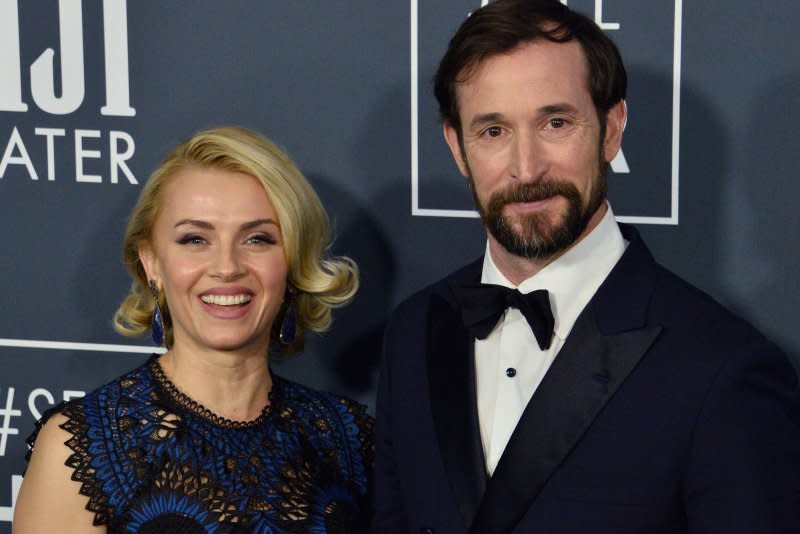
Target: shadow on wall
x: 735, y: 239
x: 397, y: 253
x: 351, y: 349
x: 103, y: 280
x: 771, y: 191
x: 693, y: 248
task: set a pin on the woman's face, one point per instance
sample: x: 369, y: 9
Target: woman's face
x: 217, y: 253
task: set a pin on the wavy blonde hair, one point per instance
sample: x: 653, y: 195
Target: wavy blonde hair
x: 316, y: 283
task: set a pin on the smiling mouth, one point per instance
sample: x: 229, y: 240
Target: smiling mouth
x: 226, y: 300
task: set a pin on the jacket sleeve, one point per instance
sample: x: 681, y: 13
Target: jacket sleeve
x: 743, y: 471
x: 390, y: 513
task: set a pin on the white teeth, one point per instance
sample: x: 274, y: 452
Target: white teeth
x: 226, y: 300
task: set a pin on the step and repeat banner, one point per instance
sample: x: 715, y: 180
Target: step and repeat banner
x: 94, y: 93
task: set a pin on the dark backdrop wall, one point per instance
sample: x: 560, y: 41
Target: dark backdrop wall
x: 94, y: 93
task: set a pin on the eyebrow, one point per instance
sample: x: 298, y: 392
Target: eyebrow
x: 208, y: 226
x: 480, y: 120
x: 561, y: 107
x: 486, y: 118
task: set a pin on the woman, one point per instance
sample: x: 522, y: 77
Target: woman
x: 225, y: 247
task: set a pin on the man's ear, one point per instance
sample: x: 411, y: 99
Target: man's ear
x: 451, y: 137
x: 615, y: 124
x: 148, y: 258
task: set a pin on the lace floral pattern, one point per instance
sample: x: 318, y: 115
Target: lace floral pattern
x: 151, y: 459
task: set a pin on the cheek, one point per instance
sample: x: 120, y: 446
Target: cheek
x: 181, y: 271
x: 580, y: 166
x: 486, y: 175
x: 274, y: 274
x: 490, y: 162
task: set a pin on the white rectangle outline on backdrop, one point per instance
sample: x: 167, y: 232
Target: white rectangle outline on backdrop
x: 71, y: 345
x: 432, y: 212
x: 676, y: 117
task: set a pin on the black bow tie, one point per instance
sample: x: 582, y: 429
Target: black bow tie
x: 483, y: 304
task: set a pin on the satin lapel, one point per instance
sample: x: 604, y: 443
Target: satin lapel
x: 586, y: 373
x: 451, y: 374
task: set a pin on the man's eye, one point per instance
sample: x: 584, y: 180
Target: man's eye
x: 493, y: 131
x: 557, y: 123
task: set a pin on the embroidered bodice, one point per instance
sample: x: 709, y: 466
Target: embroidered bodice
x: 152, y: 460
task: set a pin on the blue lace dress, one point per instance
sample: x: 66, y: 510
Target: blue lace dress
x: 152, y: 460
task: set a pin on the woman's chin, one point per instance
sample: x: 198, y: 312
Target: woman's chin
x: 244, y: 344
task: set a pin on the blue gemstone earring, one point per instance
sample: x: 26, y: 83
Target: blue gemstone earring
x: 157, y: 325
x: 289, y: 324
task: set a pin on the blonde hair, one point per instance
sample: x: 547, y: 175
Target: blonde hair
x: 316, y: 283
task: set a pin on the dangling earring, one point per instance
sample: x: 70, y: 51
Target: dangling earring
x: 289, y: 324
x: 157, y: 326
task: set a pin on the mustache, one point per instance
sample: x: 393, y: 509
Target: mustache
x: 532, y: 192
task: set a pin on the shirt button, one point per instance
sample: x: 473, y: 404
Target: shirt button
x: 511, y: 372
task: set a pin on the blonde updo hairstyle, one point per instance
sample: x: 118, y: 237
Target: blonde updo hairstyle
x: 315, y: 284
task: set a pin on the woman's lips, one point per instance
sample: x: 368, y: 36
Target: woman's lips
x: 226, y: 300
x: 226, y: 303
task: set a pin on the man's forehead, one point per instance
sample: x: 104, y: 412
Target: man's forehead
x: 541, y: 66
x: 540, y: 53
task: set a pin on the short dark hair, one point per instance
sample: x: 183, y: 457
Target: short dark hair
x: 502, y: 25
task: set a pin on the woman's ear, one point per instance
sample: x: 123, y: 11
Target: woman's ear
x: 147, y: 257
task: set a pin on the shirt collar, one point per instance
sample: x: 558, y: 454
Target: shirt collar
x: 573, y: 278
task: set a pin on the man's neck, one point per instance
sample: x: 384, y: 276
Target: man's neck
x: 518, y: 268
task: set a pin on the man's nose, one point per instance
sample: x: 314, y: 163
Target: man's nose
x: 528, y: 159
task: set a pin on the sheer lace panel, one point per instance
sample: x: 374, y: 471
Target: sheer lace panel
x: 150, y: 459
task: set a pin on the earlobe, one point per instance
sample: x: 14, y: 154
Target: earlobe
x: 451, y: 137
x: 615, y: 125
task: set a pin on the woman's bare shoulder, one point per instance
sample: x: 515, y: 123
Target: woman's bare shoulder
x: 49, y: 500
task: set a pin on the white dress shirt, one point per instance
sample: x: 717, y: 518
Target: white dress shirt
x: 509, y: 365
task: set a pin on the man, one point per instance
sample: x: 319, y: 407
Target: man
x: 632, y: 402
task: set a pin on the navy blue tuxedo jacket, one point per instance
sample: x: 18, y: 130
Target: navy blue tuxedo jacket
x: 662, y: 413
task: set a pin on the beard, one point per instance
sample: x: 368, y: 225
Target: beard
x: 540, y: 238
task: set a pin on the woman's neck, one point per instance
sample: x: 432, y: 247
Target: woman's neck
x: 233, y: 386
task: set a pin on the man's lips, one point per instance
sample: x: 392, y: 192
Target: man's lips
x: 531, y: 205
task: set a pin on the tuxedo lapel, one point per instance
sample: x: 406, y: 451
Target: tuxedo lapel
x: 585, y: 374
x: 451, y: 374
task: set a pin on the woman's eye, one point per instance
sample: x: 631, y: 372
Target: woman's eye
x: 259, y: 239
x: 191, y: 240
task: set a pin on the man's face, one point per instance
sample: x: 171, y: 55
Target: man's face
x: 532, y: 147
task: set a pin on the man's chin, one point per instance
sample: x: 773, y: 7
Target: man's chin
x: 534, y: 236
